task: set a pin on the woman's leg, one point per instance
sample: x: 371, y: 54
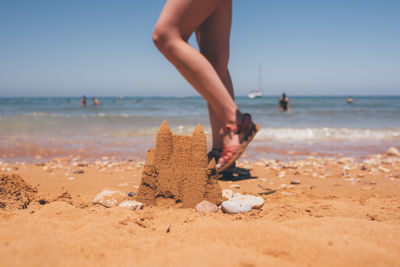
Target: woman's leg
x: 178, y: 20
x: 213, y: 37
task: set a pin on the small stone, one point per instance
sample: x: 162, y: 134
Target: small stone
x: 346, y: 168
x: 253, y: 201
x: 295, y: 181
x: 235, y: 206
x: 383, y: 169
x: 71, y: 178
x: 206, y: 206
x: 78, y: 172
x: 363, y: 168
x: 131, y: 204
x: 227, y: 193
x: 287, y: 193
x: 263, y: 179
x: 235, y: 186
x: 109, y: 198
x: 61, y: 160
x: 281, y: 175
x: 131, y: 194
x: 393, y: 152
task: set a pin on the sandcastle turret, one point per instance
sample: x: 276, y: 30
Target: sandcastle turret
x: 198, y: 147
x: 177, y: 173
x: 164, y: 146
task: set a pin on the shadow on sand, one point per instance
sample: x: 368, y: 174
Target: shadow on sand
x: 238, y: 174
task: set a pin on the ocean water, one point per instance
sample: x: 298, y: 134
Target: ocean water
x: 40, y: 128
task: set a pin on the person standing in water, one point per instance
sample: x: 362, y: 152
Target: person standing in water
x: 207, y: 70
x: 284, y: 103
x: 95, y: 101
x: 83, y: 101
x: 350, y: 100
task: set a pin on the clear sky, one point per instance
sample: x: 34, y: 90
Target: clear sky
x: 104, y: 48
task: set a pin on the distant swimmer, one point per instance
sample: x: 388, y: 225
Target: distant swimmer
x: 284, y: 103
x: 83, y: 101
x: 95, y: 101
x: 350, y: 100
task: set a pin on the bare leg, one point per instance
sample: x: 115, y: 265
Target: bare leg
x: 178, y: 20
x: 213, y: 39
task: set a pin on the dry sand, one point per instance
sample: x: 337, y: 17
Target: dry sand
x: 343, y: 213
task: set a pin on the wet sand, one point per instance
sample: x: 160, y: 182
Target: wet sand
x: 323, y: 212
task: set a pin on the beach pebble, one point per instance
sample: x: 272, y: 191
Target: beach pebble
x: 263, y: 179
x: 295, y: 181
x: 383, y: 169
x: 60, y: 160
x: 363, y: 168
x: 131, y: 194
x: 206, y: 206
x: 287, y: 193
x: 235, y: 186
x: 227, y: 193
x: 131, y: 204
x: 253, y: 201
x: 235, y: 206
x: 78, y: 172
x: 393, y: 152
x: 346, y: 168
x: 71, y: 178
x: 109, y: 198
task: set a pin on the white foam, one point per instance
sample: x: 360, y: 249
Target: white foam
x: 326, y: 134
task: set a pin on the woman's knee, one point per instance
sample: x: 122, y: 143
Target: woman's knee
x: 163, y: 38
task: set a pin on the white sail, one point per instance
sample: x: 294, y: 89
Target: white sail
x: 257, y: 93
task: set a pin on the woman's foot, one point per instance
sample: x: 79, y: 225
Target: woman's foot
x: 235, y: 141
x: 215, y: 154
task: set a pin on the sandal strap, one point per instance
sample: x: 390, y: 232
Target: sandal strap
x: 247, y: 126
x: 231, y: 128
x: 229, y: 151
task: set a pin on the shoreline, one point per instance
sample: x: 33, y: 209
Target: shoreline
x: 325, y: 211
x: 32, y: 150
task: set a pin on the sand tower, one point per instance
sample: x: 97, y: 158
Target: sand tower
x: 177, y: 171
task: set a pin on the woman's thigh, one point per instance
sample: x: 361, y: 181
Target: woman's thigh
x: 183, y: 17
x: 213, y: 35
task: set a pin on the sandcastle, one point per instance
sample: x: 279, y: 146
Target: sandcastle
x: 177, y: 171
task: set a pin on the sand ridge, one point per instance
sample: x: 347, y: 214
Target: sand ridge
x: 15, y: 193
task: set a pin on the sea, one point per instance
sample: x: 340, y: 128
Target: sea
x: 37, y: 129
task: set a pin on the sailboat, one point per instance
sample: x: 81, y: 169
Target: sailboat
x: 258, y: 92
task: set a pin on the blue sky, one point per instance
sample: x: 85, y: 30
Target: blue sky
x: 104, y: 48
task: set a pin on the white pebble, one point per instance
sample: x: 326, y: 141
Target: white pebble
x: 109, y: 198
x: 235, y: 206
x: 393, y: 152
x: 131, y: 204
x: 253, y: 201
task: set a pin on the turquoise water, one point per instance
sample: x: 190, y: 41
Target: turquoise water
x: 327, y: 125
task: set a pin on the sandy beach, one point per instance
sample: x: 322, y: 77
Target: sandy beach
x: 325, y: 211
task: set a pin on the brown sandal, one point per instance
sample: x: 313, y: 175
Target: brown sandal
x: 248, y: 128
x: 231, y: 153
